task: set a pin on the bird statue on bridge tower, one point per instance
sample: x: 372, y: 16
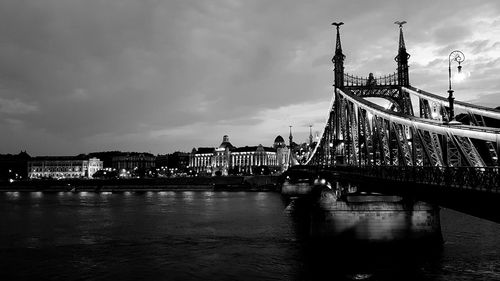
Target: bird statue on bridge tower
x: 338, y: 46
x: 400, y: 23
x: 337, y: 24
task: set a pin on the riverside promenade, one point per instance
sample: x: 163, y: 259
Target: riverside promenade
x: 223, y: 183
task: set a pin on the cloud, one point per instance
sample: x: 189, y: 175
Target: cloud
x: 488, y: 100
x: 16, y: 106
x: 171, y: 75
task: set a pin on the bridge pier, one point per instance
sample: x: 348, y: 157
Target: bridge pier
x: 375, y: 218
x: 337, y: 211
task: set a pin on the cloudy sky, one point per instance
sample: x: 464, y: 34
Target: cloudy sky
x: 78, y: 76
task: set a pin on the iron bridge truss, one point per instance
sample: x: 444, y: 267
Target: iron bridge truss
x: 363, y: 135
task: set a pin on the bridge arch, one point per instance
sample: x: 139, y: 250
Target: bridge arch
x: 358, y: 132
x: 385, y: 86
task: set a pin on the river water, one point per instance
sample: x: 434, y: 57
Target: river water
x: 213, y: 236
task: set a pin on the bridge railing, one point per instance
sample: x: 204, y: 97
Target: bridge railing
x: 475, y: 178
x: 386, y: 80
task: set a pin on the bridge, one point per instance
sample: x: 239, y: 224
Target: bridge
x: 419, y: 151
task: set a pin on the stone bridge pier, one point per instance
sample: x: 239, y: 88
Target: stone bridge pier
x: 339, y: 211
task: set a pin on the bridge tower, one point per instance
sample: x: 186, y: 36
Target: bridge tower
x: 403, y: 73
x: 338, y: 59
x: 386, y: 86
x: 402, y: 58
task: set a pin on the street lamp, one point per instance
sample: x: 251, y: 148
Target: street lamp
x: 459, y: 57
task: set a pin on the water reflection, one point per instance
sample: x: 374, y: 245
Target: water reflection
x: 188, y: 196
x: 12, y: 195
x: 83, y: 194
x: 36, y: 195
x: 167, y: 193
x: 208, y: 194
x: 217, y: 236
x: 342, y: 257
x: 208, y: 198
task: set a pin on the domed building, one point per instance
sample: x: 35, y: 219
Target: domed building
x: 282, y: 153
x: 228, y: 159
x: 225, y: 143
x: 222, y: 157
x: 279, y: 142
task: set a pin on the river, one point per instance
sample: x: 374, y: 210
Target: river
x: 213, y: 236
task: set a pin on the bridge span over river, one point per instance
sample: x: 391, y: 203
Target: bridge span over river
x: 417, y: 151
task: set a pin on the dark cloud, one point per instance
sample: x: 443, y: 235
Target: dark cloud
x: 78, y: 76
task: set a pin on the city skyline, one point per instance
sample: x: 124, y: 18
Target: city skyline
x: 81, y: 76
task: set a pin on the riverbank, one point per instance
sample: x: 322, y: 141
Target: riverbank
x: 229, y: 183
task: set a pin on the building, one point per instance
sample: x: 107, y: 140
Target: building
x: 247, y: 159
x: 228, y: 159
x: 129, y: 161
x: 178, y: 161
x: 173, y: 163
x: 201, y: 160
x: 59, y: 167
x: 282, y: 154
x: 161, y: 161
x: 107, y: 157
x: 14, y: 166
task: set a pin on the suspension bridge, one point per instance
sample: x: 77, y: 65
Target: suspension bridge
x: 419, y: 151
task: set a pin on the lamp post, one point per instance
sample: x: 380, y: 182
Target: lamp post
x: 459, y: 57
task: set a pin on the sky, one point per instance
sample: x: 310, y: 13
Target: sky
x: 78, y: 76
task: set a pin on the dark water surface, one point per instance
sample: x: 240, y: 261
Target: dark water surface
x: 214, y: 236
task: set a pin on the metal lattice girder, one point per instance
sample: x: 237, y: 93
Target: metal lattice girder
x: 443, y: 112
x: 377, y: 147
x: 353, y: 135
x: 400, y: 100
x: 426, y: 151
x: 342, y: 120
x: 467, y: 107
x: 407, y: 105
x: 383, y: 140
x: 428, y: 130
x: 492, y: 152
x: 419, y: 152
x: 391, y: 94
x: 368, y: 138
x: 346, y: 144
x: 485, y: 134
x: 372, y: 126
x: 403, y: 146
x: 430, y: 142
x: 478, y: 121
x: 393, y: 144
x: 454, y: 156
x: 437, y: 146
x: 468, y: 150
x: 425, y: 109
x: 366, y: 133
